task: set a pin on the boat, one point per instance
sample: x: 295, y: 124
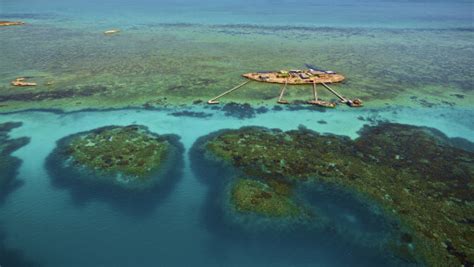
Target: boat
x: 109, y: 32
x: 322, y: 103
x: 21, y: 81
x: 355, y: 103
x: 282, y: 101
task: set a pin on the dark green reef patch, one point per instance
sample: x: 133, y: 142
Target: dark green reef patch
x: 85, y: 91
x: 240, y: 111
x: 416, y: 177
x: 8, y: 171
x: 191, y: 114
x: 8, y: 164
x: 116, y: 161
x: 268, y: 206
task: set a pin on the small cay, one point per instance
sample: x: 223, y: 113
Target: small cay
x: 297, y: 77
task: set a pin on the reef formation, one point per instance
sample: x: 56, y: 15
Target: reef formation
x: 127, y: 157
x: 415, y: 174
x: 256, y: 196
x: 8, y: 163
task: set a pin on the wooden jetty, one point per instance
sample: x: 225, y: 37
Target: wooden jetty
x: 316, y: 101
x: 352, y: 103
x: 297, y: 77
x: 282, y: 92
x: 214, y: 100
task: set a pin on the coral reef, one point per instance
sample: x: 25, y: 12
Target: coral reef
x: 129, y: 157
x: 129, y: 79
x: 236, y: 110
x: 9, y: 164
x: 250, y: 195
x: 53, y: 95
x: 191, y: 114
x: 414, y: 173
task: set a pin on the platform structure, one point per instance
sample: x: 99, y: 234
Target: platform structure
x: 297, y: 78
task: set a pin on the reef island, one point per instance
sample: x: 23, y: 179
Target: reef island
x: 415, y: 174
x: 129, y: 157
x: 297, y: 77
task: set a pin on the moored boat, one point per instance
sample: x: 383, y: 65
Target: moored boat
x: 322, y: 103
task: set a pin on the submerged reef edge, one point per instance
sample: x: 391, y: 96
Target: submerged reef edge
x: 415, y: 174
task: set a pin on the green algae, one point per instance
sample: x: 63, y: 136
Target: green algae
x: 9, y: 164
x: 250, y: 195
x: 415, y: 174
x: 129, y: 150
x: 126, y: 156
x: 176, y: 65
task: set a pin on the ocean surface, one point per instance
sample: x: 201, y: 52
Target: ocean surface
x: 410, y: 61
x: 340, y: 13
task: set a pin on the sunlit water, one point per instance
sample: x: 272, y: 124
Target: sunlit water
x: 340, y: 13
x: 55, y: 228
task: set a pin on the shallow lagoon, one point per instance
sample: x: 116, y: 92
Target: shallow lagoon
x: 157, y: 64
x: 177, y: 59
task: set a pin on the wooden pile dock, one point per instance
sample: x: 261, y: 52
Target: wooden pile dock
x: 297, y: 77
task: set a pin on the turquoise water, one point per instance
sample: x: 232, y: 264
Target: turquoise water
x: 340, y: 13
x: 53, y: 227
x: 410, y: 44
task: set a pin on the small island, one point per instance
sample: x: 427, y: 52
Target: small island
x: 127, y: 157
x: 297, y: 77
x: 415, y: 174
